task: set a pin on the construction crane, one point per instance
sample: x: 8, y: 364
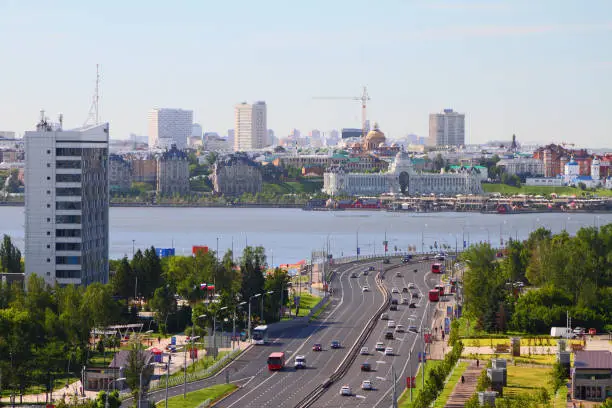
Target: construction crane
x: 364, y: 98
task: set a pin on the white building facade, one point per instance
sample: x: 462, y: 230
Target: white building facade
x: 66, y: 198
x: 447, y: 128
x: 251, y: 126
x: 402, y: 179
x: 522, y: 165
x: 170, y: 126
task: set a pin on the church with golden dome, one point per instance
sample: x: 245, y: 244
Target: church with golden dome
x: 374, y: 143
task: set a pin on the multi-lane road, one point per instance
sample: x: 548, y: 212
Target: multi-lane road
x: 344, y: 319
x: 406, y: 345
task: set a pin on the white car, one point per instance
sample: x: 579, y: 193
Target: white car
x: 346, y: 391
x: 366, y: 385
x: 395, y: 290
x: 411, y: 286
x: 399, y: 328
x: 364, y: 351
x: 365, y: 289
x: 300, y: 362
x: 391, y: 324
x: 380, y: 346
x: 389, y: 351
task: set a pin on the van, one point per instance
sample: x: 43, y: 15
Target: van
x: 562, y: 332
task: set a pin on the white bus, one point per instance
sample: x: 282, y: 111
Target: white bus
x: 260, y: 335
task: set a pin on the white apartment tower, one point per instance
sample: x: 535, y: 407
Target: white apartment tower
x: 170, y: 126
x: 446, y: 129
x: 66, y: 199
x: 251, y: 127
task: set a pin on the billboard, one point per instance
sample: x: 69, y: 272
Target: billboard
x: 199, y: 250
x: 350, y: 132
x: 165, y: 252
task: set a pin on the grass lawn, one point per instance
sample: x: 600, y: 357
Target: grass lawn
x: 527, y: 380
x: 560, y: 399
x: 537, y: 190
x: 525, y: 342
x: 450, y: 384
x: 404, y: 400
x: 540, y: 359
x: 196, y: 398
x: 307, y: 302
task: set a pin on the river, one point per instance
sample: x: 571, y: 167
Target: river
x: 289, y: 235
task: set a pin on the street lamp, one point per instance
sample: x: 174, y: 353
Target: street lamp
x: 234, y: 326
x: 192, y: 339
x: 249, y: 328
x: 108, y: 389
x: 262, y: 305
x: 215, y: 327
x: 141, y: 391
x: 357, y: 236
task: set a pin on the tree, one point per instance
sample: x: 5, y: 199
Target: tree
x: 124, y: 279
x: 136, y: 360
x: 14, y: 183
x: 277, y: 282
x: 98, y: 305
x: 163, y: 303
x: 10, y: 256
x: 251, y: 269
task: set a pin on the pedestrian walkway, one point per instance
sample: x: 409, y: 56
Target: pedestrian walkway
x: 439, y: 346
x: 464, y: 391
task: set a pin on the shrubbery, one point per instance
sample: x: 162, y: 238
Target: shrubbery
x: 436, y: 377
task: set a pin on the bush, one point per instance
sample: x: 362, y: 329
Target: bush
x: 560, y: 375
x: 436, y: 378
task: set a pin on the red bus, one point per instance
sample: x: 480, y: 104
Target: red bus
x: 276, y: 361
x: 436, y: 268
x: 434, y: 295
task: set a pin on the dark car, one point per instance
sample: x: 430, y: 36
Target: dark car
x: 366, y: 273
x: 317, y: 347
x: 335, y: 344
x: 366, y: 366
x: 389, y: 335
x: 371, y: 268
x: 393, y: 307
x: 412, y: 306
x: 394, y: 302
x: 386, y: 261
x: 404, y: 290
x: 354, y: 275
x: 415, y: 295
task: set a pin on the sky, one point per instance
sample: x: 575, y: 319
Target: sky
x: 537, y: 69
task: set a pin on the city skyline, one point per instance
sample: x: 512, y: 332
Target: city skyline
x: 513, y: 67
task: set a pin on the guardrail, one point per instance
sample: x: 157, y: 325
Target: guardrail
x: 346, y: 363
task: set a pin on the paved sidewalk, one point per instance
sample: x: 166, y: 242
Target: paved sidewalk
x: 439, y: 347
x: 464, y: 391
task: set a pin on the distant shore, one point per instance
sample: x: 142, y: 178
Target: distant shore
x: 318, y: 209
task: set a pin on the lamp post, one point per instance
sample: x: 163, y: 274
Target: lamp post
x: 357, y: 237
x: 249, y: 326
x: 262, y: 303
x: 215, y: 327
x: 141, y: 391
x: 108, y: 389
x: 234, y: 326
x: 192, y: 339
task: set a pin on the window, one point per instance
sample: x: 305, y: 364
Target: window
x: 48, y: 260
x: 68, y: 219
x: 68, y: 191
x: 67, y: 205
x: 48, y: 246
x: 67, y: 274
x: 48, y: 219
x: 48, y: 205
x: 48, y: 178
x: 68, y: 151
x: 70, y: 233
x: 68, y: 164
x: 48, y: 232
x: 68, y: 260
x: 48, y: 191
x: 67, y: 246
x: 68, y: 178
x: 48, y: 164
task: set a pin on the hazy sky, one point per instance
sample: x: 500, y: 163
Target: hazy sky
x: 539, y: 68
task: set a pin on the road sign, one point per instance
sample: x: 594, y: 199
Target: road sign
x: 410, y: 382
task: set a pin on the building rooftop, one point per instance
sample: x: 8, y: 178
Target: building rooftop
x: 593, y: 360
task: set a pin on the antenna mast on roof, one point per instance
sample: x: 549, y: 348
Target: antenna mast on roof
x: 93, y: 116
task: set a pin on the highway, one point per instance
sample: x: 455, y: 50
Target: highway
x: 405, y: 345
x: 343, y: 320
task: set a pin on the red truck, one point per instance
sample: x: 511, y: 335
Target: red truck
x: 434, y: 295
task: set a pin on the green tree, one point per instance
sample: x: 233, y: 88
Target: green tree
x: 163, y: 303
x: 251, y: 269
x: 277, y: 282
x: 136, y: 361
x: 10, y: 256
x: 98, y: 305
x: 124, y: 279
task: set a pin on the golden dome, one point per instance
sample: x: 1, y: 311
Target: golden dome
x: 374, y: 138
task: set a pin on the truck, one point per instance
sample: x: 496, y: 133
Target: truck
x: 563, y: 332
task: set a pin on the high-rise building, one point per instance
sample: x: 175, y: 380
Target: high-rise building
x: 66, y: 198
x: 251, y: 127
x: 196, y: 130
x: 169, y: 126
x: 446, y: 129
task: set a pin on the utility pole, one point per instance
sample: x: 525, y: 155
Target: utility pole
x: 168, y: 377
x: 394, y: 388
x: 357, y: 243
